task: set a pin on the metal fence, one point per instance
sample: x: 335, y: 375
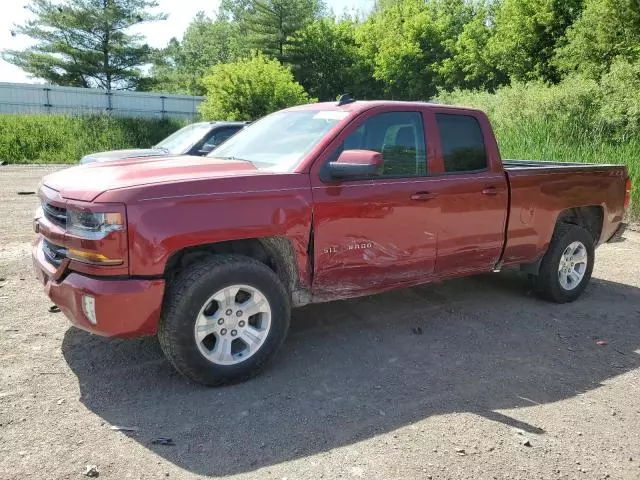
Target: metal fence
x: 34, y: 98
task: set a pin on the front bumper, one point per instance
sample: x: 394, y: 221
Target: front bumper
x: 123, y: 308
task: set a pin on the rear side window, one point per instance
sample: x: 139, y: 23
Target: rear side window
x: 462, y: 142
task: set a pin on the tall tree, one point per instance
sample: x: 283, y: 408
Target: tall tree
x: 607, y: 29
x: 234, y: 10
x: 84, y: 43
x: 392, y: 39
x: 467, y: 63
x: 527, y: 34
x: 181, y: 66
x: 409, y: 41
x: 270, y: 24
x: 326, y: 60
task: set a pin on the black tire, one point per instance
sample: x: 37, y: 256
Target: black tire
x: 188, y: 293
x: 547, y: 281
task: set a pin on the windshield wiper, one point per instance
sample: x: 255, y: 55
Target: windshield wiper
x: 164, y: 149
x: 233, y: 158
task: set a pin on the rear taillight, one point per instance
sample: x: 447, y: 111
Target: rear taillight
x: 627, y: 193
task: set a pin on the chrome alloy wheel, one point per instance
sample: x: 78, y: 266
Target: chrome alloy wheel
x: 233, y: 324
x: 573, y: 265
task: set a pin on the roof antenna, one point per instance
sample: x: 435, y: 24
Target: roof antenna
x: 345, y: 99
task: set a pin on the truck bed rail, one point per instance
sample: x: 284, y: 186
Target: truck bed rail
x: 527, y: 164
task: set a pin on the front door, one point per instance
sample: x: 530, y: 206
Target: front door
x: 372, y: 233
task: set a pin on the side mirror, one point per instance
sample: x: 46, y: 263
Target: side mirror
x: 357, y: 163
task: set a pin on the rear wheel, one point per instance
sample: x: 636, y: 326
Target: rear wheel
x: 224, y: 319
x: 566, y: 267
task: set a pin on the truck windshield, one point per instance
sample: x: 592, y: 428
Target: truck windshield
x: 181, y: 141
x: 281, y: 140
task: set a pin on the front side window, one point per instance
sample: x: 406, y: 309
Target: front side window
x: 399, y: 136
x: 462, y: 142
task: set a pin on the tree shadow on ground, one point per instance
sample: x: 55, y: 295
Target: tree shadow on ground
x: 353, y: 369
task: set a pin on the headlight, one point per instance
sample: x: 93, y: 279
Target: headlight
x: 92, y: 225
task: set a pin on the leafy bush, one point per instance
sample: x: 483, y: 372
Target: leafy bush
x: 65, y: 139
x: 249, y: 89
x: 620, y: 100
x: 573, y: 105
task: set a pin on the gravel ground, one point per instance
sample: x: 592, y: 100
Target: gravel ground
x: 497, y: 385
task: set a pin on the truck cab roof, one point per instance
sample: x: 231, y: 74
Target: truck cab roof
x: 360, y: 106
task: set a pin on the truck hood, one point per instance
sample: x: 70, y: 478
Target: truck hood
x: 86, y: 182
x: 121, y: 154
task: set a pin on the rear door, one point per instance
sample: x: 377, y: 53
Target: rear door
x: 374, y: 232
x: 471, y: 192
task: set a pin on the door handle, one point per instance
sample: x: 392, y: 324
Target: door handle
x: 490, y: 191
x: 422, y: 196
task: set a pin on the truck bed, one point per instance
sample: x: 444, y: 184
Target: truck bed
x: 540, y: 191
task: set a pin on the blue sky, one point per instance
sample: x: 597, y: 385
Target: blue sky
x: 158, y: 34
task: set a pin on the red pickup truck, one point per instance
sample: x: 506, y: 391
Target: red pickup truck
x: 310, y: 204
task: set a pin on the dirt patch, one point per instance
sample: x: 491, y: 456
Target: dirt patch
x: 471, y: 378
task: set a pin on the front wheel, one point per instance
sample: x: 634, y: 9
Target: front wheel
x: 224, y: 319
x: 566, y: 267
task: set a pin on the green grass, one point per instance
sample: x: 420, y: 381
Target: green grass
x: 543, y: 141
x: 65, y: 139
x: 546, y: 141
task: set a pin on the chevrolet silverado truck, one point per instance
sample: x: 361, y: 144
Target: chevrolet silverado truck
x: 310, y: 204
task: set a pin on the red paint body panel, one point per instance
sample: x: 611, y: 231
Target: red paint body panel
x: 348, y: 237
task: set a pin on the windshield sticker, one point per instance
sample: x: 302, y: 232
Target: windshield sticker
x: 331, y: 115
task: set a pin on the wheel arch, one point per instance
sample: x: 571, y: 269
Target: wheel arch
x: 590, y: 217
x: 277, y: 253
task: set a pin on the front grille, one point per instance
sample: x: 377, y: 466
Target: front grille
x: 55, y: 214
x: 53, y: 253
